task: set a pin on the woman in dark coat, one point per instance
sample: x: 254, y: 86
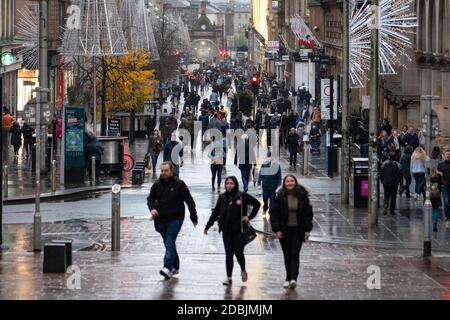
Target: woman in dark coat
x: 16, y: 137
x: 231, y: 213
x: 291, y: 218
x: 292, y: 143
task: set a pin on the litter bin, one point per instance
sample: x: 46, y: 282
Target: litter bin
x: 359, y: 183
x: 112, y: 159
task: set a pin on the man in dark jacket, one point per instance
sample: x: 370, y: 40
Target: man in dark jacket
x: 174, y: 158
x: 166, y: 204
x: 391, y: 177
x: 411, y: 138
x: 269, y: 179
x: 94, y: 149
x: 444, y: 170
x: 27, y: 133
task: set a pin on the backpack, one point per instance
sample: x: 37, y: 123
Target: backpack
x: 435, y: 193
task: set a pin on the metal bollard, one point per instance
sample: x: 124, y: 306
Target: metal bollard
x: 115, y: 218
x: 53, y: 175
x: 93, y: 171
x: 5, y: 181
x: 305, y: 161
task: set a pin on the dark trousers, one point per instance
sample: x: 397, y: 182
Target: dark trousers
x: 285, y: 134
x: 268, y: 194
x: 245, y: 176
x: 16, y: 149
x: 27, y: 145
x: 291, y: 243
x: 233, y: 247
x: 216, y: 170
x: 419, y: 177
x: 97, y: 168
x: 154, y: 161
x: 405, y: 187
x: 293, y: 158
x: 390, y: 195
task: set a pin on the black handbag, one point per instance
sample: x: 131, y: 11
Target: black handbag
x: 248, y: 233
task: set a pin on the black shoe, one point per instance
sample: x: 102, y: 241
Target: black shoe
x: 435, y: 227
x: 408, y: 196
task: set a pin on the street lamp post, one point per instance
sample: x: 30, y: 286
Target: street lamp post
x: 345, y: 146
x: 373, y: 115
x: 427, y: 130
x: 37, y: 219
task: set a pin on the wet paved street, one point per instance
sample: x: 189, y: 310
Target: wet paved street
x: 333, y: 265
x: 327, y: 272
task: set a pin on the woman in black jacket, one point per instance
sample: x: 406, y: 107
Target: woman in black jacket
x: 291, y: 218
x: 16, y: 137
x: 231, y: 213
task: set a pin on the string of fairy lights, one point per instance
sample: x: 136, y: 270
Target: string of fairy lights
x: 397, y: 21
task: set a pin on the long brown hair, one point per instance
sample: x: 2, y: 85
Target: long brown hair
x: 297, y: 186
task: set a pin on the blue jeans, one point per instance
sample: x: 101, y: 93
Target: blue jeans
x: 154, y: 161
x: 169, y: 232
x: 177, y: 169
x: 268, y: 194
x: 436, y: 214
x: 245, y: 175
x: 446, y: 196
x: 419, y: 177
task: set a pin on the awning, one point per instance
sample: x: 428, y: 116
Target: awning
x: 304, y: 35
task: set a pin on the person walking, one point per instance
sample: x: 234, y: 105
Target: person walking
x: 216, y: 165
x: 418, y: 171
x: 291, y: 218
x: 269, y: 179
x: 292, y: 142
x: 166, y: 204
x: 150, y: 124
x: 435, y: 196
x: 27, y: 133
x: 94, y: 149
x: 436, y: 157
x: 7, y: 124
x: 245, y: 159
x: 155, y: 147
x: 169, y: 155
x: 405, y: 163
x: 231, y: 212
x: 444, y: 171
x: 390, y: 176
x: 16, y: 137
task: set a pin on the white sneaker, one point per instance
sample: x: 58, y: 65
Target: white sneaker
x: 227, y: 282
x: 293, y: 284
x: 415, y: 196
x: 244, y: 276
x: 175, y: 271
x: 165, y: 273
x: 286, y: 285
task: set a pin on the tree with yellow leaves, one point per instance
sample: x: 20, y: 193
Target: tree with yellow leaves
x: 129, y: 82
